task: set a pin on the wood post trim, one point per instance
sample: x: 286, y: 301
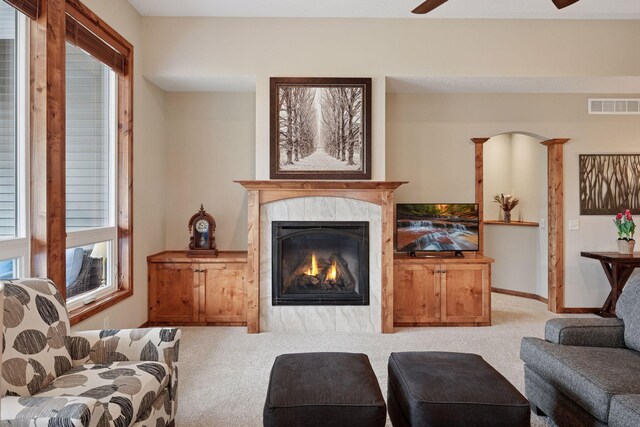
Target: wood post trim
x: 253, y: 263
x: 555, y: 184
x: 388, y: 225
x: 48, y: 223
x: 479, y: 158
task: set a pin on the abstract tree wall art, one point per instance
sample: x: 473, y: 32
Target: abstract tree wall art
x: 320, y: 128
x: 609, y: 183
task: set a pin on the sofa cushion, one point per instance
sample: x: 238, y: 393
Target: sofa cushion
x: 625, y: 411
x: 68, y: 411
x: 589, y: 375
x: 125, y: 389
x: 36, y: 329
x: 628, y: 309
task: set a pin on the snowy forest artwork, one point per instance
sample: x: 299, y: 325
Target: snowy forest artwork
x: 320, y: 128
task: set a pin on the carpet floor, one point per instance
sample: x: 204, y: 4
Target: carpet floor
x: 224, y: 371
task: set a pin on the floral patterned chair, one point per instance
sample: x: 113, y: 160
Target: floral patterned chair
x: 53, y: 378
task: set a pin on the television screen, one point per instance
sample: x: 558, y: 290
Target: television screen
x: 435, y: 227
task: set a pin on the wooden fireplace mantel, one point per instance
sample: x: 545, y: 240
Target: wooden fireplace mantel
x: 262, y: 192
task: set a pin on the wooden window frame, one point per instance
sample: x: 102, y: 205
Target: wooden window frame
x: 48, y: 104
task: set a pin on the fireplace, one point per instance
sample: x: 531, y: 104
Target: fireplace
x: 320, y: 263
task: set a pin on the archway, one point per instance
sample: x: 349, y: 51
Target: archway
x: 555, y: 216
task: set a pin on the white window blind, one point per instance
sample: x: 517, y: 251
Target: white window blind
x: 8, y: 140
x: 88, y: 141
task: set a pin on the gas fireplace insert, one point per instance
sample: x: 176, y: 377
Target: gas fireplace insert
x: 320, y: 263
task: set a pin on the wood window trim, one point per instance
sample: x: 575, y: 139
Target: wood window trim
x: 85, y: 312
x: 48, y: 224
x: 31, y: 8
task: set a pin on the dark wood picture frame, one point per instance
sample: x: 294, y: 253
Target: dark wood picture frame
x: 364, y: 172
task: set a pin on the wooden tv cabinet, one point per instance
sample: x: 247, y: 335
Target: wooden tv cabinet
x: 442, y: 291
x: 204, y: 290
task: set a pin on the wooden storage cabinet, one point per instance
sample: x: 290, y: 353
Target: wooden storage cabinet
x: 442, y: 291
x: 197, y: 291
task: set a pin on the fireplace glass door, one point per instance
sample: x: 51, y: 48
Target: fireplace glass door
x: 320, y: 263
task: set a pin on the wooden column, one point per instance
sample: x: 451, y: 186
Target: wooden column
x: 479, y: 144
x: 253, y: 263
x: 48, y: 235
x: 388, y: 225
x: 555, y: 186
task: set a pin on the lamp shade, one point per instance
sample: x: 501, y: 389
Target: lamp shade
x: 100, y: 250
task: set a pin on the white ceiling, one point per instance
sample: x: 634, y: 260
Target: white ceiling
x: 514, y: 9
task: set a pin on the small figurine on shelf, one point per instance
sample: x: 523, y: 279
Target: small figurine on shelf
x: 202, y: 227
x: 507, y: 202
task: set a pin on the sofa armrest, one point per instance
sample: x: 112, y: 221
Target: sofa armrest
x: 587, y: 332
x: 116, y: 345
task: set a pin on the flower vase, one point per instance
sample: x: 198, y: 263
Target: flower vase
x: 507, y: 216
x: 626, y: 246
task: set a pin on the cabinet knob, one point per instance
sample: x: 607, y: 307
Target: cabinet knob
x: 443, y: 271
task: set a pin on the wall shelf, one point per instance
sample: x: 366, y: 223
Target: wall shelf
x: 513, y: 223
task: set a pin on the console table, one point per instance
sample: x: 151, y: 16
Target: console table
x: 618, y: 268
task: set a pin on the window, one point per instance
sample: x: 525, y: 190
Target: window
x: 91, y: 130
x: 14, y: 244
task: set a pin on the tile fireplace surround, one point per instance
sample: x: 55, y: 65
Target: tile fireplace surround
x: 370, y: 201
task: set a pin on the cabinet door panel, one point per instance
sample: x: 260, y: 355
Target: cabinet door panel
x: 416, y: 294
x: 466, y: 293
x: 223, y: 290
x: 173, y: 293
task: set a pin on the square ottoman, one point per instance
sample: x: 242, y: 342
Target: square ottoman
x: 324, y: 389
x: 451, y: 389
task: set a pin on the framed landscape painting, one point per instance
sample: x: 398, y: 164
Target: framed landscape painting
x: 320, y: 128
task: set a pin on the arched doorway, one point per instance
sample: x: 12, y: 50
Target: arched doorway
x: 555, y: 215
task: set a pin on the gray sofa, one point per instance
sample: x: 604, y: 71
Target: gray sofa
x: 586, y: 372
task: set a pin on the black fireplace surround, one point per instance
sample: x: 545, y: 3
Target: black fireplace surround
x: 320, y: 263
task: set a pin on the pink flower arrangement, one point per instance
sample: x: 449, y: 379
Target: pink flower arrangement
x: 625, y: 225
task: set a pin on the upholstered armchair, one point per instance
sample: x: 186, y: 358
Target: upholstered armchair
x: 586, y: 370
x: 51, y: 377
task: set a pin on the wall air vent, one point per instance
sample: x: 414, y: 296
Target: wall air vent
x: 614, y: 106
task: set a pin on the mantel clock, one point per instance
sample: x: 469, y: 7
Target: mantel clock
x: 202, y: 228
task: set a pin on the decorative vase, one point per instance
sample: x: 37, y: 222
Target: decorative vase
x: 507, y: 216
x: 626, y: 246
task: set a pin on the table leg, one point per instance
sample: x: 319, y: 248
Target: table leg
x: 617, y: 275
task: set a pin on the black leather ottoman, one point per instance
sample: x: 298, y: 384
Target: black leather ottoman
x: 451, y: 389
x: 324, y: 389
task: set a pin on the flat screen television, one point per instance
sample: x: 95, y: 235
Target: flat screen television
x: 437, y: 227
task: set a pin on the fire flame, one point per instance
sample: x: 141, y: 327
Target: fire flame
x: 313, y: 271
x: 333, y: 272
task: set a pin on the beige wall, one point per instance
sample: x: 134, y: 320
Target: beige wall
x: 428, y: 144
x: 149, y: 158
x: 211, y: 142
x: 197, y: 49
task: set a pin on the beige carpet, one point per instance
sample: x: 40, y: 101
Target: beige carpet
x: 224, y: 372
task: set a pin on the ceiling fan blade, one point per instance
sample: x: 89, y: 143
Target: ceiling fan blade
x: 428, y: 6
x: 561, y: 4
